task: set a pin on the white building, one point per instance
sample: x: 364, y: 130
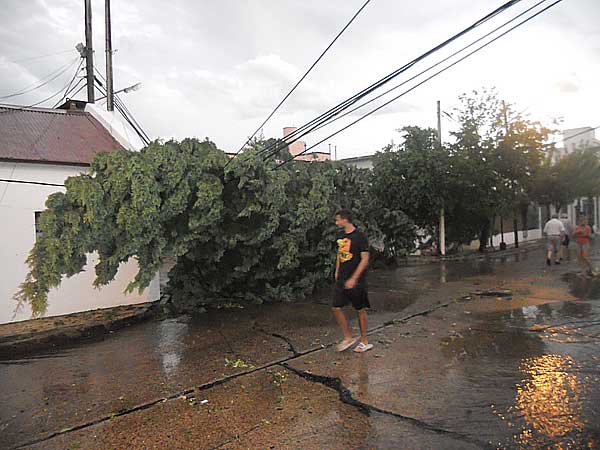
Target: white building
x: 576, y: 138
x: 361, y: 162
x: 39, y: 149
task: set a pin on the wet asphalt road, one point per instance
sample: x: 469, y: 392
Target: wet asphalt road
x: 473, y: 372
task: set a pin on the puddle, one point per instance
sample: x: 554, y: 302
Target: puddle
x: 583, y: 287
x: 550, y: 376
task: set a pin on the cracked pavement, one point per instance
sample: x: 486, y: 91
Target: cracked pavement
x: 450, y: 370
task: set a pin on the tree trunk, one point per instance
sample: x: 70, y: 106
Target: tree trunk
x: 516, y: 230
x: 483, y: 236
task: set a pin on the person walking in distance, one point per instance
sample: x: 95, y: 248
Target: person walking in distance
x: 351, y: 281
x: 567, y: 236
x: 582, y: 235
x: 554, y: 231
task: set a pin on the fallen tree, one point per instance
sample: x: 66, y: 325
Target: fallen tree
x: 241, y: 231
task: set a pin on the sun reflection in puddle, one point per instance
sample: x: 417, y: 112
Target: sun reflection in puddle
x: 549, y: 400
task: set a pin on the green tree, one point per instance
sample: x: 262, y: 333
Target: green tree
x: 474, y: 188
x: 411, y: 177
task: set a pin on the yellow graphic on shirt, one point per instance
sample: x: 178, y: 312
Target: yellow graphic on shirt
x: 344, y: 254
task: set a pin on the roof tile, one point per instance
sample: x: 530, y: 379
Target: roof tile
x: 52, y: 135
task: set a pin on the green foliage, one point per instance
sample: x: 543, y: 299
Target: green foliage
x: 238, y: 231
x: 412, y: 177
x: 573, y: 176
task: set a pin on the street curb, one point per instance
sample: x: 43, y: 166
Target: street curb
x: 423, y: 260
x: 17, y: 345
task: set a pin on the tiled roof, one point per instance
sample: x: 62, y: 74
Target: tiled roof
x: 52, y: 135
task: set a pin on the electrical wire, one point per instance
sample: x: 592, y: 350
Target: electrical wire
x: 34, y: 86
x: 422, y: 82
x: 583, y: 132
x: 70, y: 83
x: 38, y: 57
x: 301, y: 79
x: 78, y: 90
x: 40, y: 183
x: 125, y: 111
x: 122, y: 109
x: 310, y: 126
x: 16, y: 108
x: 432, y: 66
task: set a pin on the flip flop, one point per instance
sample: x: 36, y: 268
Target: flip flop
x: 342, y: 346
x: 361, y: 348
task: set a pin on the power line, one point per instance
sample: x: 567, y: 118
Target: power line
x: 70, y: 83
x: 310, y: 126
x: 583, y: 132
x: 301, y: 78
x: 125, y: 113
x: 39, y: 183
x: 38, y: 57
x: 80, y: 88
x: 422, y: 82
x: 432, y: 66
x: 17, y: 108
x: 34, y: 86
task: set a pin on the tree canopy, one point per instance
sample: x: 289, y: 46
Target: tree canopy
x: 240, y: 231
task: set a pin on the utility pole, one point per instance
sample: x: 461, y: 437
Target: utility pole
x: 335, y: 152
x: 515, y: 221
x: 110, y: 99
x: 89, y: 52
x: 442, y: 216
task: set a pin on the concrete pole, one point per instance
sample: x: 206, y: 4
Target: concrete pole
x: 89, y: 52
x: 442, y: 216
x: 110, y: 98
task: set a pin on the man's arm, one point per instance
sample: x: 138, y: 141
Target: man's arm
x: 337, y: 267
x: 362, y: 266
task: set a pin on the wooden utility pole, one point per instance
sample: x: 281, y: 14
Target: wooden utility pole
x: 515, y: 221
x: 110, y: 98
x: 442, y: 216
x: 89, y: 52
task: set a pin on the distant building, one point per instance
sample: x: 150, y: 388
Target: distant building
x: 576, y: 138
x: 298, y: 147
x: 362, y: 162
x: 39, y: 149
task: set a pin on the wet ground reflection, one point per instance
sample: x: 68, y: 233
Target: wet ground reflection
x: 549, y: 400
x: 170, y: 335
x: 556, y: 391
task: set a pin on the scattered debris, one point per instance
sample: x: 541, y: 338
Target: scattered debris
x: 238, y: 364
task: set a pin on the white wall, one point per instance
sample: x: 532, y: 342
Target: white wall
x: 18, y: 202
x: 509, y: 238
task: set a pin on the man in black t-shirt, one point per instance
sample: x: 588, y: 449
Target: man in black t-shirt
x: 351, y: 281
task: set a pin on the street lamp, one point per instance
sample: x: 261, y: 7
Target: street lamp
x: 127, y: 90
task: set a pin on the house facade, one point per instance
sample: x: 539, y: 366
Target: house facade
x: 39, y: 149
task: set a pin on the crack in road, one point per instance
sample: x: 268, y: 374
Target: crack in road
x: 345, y: 396
x: 296, y: 354
x: 288, y: 341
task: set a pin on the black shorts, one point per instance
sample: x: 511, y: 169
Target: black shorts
x: 358, y: 297
x: 566, y: 240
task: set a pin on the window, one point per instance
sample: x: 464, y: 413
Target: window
x: 38, y: 232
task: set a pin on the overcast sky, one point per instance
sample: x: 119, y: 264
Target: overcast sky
x: 217, y: 68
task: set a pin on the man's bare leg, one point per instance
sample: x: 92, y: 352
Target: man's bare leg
x: 342, y: 321
x: 362, y: 323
